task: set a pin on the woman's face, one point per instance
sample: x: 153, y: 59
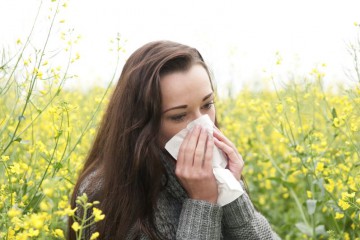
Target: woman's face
x: 186, y: 96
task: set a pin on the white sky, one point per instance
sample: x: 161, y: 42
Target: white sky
x: 238, y: 39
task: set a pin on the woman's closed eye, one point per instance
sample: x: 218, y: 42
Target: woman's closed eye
x: 208, y: 105
x: 178, y: 118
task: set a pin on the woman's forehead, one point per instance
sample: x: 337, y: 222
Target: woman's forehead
x: 182, y: 87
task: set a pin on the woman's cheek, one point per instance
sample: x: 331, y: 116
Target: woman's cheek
x: 167, y: 131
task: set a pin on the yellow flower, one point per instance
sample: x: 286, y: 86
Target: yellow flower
x: 48, y: 192
x: 319, y: 167
x: 267, y: 184
x: 279, y: 108
x: 338, y: 122
x: 13, y: 212
x: 38, y: 73
x: 94, y: 236
x: 62, y: 204
x: 5, y: 158
x: 33, y: 233
x: 309, y: 194
x: 343, y: 204
x: 70, y: 212
x: 37, y: 220
x: 339, y: 215
x: 330, y: 186
x: 75, y: 226
x: 299, y: 149
x: 98, y: 214
x: 58, y: 233
x: 354, y: 127
x: 15, y: 168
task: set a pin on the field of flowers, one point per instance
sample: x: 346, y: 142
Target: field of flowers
x: 300, y: 143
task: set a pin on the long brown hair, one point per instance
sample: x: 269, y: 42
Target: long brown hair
x: 126, y: 150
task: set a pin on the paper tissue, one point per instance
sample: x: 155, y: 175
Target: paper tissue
x: 229, y: 188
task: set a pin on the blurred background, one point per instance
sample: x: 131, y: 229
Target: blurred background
x: 244, y: 42
x: 288, y: 73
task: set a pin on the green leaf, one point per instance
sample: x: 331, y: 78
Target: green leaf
x: 304, y: 228
x: 58, y: 165
x: 320, y: 230
x: 288, y: 184
x: 35, y: 201
x: 333, y: 113
x: 276, y: 179
x: 311, y: 206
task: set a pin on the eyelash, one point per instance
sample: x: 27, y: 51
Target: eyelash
x: 208, y: 105
x: 179, y: 118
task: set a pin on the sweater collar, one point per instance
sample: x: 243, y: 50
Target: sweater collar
x: 173, y: 186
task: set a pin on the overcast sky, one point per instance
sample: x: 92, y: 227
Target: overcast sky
x: 239, y: 39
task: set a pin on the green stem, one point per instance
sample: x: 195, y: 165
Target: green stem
x: 32, y: 83
x: 298, y: 204
x: 46, y: 170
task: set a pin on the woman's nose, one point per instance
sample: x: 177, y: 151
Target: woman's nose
x: 198, y: 114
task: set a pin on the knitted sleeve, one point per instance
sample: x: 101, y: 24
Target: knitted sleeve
x: 199, y: 220
x: 241, y: 221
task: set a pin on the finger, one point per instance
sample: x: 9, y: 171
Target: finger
x: 219, y: 135
x: 209, y: 152
x: 200, y: 149
x: 191, y: 146
x: 181, y: 154
x: 229, y: 151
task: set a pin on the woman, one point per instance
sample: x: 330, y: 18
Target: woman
x: 144, y: 192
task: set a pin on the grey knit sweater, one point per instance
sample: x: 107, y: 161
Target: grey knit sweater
x: 179, y: 217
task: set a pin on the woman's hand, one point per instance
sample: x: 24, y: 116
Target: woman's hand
x: 235, y: 161
x: 194, y: 165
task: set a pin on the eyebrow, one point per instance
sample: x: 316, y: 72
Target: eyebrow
x: 185, y: 106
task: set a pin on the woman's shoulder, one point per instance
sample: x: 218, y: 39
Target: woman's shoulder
x: 91, y: 184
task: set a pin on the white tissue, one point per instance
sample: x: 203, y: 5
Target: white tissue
x: 229, y: 188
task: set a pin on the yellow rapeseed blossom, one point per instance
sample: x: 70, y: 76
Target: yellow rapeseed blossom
x: 58, y: 233
x: 94, y: 236
x: 319, y: 167
x: 339, y: 215
x: 76, y: 226
x: 98, y: 216
x: 330, y: 186
x: 309, y: 194
x: 5, y: 158
x: 37, y: 220
x: 343, y: 204
x: 14, y: 212
x: 33, y: 232
x: 338, y: 122
x: 279, y: 108
x: 299, y: 149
